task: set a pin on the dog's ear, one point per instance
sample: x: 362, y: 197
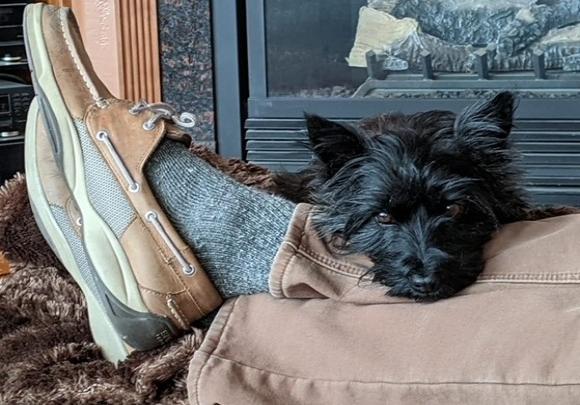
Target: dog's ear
x: 493, y: 117
x: 333, y: 143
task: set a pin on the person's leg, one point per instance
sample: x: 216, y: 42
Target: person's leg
x: 146, y: 281
x: 234, y: 230
x: 122, y: 186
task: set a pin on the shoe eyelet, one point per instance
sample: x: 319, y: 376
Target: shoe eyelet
x: 149, y: 126
x: 134, y: 188
x: 79, y: 222
x: 102, y: 135
x: 189, y: 270
x: 102, y: 103
x: 151, y: 216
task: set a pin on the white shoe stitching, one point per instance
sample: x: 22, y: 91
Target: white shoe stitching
x: 172, y: 305
x: 67, y: 39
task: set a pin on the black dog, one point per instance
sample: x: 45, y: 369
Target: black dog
x: 419, y: 194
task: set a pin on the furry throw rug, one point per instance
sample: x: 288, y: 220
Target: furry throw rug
x: 47, y: 355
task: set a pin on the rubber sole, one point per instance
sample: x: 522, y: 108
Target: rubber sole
x: 102, y: 329
x: 111, y: 279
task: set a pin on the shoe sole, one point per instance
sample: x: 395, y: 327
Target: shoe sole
x: 123, y: 306
x: 102, y: 329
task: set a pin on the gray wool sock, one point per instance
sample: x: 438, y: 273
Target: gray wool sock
x: 234, y: 230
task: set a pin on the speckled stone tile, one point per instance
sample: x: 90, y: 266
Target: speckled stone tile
x: 186, y: 61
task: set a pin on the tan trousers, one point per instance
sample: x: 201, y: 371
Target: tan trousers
x: 511, y: 338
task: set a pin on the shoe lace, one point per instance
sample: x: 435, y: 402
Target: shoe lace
x: 162, y: 111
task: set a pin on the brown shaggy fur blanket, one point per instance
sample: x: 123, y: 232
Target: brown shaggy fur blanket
x: 47, y: 355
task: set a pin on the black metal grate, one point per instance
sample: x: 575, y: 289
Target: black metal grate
x: 550, y: 153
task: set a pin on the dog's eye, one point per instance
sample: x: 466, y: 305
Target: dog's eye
x: 454, y: 210
x: 385, y: 219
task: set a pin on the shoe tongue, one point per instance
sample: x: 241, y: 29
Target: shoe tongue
x: 177, y: 134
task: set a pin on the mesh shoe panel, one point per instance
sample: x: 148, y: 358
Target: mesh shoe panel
x: 78, y: 250
x: 105, y: 192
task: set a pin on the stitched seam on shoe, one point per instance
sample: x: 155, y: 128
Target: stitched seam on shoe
x: 178, y: 274
x: 150, y: 291
x: 51, y: 204
x: 156, y: 139
x: 182, y: 314
x: 178, y: 316
x: 176, y: 312
x: 92, y: 90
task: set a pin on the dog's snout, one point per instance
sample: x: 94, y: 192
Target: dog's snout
x: 424, y: 284
x: 413, y: 264
x: 424, y: 271
x: 425, y: 262
x: 420, y: 280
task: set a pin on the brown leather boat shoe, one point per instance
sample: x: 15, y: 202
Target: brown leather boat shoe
x: 143, y: 284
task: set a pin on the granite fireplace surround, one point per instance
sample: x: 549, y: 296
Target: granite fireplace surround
x: 186, y: 61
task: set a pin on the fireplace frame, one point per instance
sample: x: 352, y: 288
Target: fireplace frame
x: 547, y: 130
x: 262, y: 105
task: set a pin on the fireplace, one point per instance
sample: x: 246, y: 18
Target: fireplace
x: 347, y: 59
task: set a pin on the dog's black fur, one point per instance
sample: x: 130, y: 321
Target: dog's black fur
x: 419, y: 194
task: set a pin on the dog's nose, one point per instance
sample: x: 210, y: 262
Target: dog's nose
x: 424, y: 284
x: 413, y: 264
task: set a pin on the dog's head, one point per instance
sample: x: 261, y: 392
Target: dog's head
x: 419, y: 194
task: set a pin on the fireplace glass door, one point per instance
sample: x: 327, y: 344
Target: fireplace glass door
x: 422, y: 48
x: 348, y: 59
